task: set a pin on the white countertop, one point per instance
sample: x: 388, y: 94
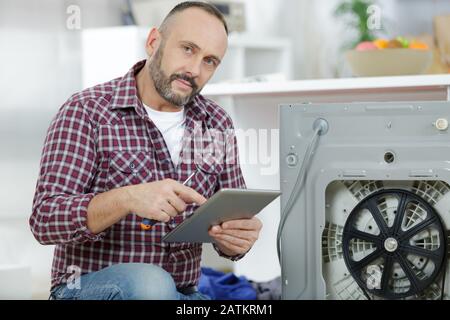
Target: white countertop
x: 344, y: 84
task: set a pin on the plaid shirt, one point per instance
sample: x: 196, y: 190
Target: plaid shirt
x: 101, y: 139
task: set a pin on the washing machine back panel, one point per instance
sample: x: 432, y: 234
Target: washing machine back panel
x: 379, y: 143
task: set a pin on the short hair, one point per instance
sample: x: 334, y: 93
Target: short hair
x: 205, y: 6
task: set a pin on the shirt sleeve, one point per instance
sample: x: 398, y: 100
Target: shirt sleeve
x: 67, y: 168
x: 231, y: 176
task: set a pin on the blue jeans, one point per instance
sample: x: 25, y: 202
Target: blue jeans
x: 127, y: 281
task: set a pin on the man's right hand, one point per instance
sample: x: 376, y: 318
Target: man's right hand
x: 161, y: 200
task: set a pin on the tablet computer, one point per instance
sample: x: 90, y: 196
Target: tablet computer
x: 224, y: 205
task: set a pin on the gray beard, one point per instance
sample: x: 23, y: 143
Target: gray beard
x: 163, y: 83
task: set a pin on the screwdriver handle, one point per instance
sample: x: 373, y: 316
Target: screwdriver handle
x: 147, y: 224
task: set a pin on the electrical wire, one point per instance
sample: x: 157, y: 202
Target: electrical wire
x: 296, y: 189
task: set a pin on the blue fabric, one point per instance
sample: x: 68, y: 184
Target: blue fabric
x: 225, y: 286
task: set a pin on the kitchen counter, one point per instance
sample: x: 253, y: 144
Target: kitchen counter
x: 426, y: 83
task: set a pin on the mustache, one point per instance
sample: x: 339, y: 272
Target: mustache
x: 186, y: 78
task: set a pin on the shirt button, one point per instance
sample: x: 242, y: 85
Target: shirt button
x: 132, y: 165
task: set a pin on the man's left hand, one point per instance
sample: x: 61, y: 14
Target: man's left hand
x: 236, y: 237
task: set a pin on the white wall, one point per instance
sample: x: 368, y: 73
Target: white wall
x: 33, y: 53
x: 400, y: 13
x: 40, y: 68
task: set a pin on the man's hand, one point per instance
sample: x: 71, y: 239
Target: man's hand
x: 236, y: 237
x: 161, y: 200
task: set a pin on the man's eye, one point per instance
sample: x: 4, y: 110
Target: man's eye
x: 210, y: 62
x: 187, y: 49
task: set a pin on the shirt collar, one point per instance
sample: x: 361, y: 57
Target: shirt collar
x: 126, y: 96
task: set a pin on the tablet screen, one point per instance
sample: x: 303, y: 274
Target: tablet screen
x: 225, y: 205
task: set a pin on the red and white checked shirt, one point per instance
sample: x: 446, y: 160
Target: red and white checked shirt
x: 101, y: 139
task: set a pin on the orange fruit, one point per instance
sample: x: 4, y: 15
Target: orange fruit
x: 381, y: 43
x: 419, y: 45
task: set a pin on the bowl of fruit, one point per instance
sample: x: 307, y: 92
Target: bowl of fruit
x: 390, y: 58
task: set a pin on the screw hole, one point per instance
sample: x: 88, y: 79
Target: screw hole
x: 389, y: 157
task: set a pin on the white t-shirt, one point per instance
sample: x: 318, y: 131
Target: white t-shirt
x: 171, y: 126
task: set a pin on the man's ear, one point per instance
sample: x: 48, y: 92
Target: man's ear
x: 153, y: 41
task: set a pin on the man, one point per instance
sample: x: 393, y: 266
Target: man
x: 113, y: 156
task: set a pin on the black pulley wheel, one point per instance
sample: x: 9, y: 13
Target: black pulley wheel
x: 394, y: 244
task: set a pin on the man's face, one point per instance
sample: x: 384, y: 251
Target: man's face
x: 188, y: 55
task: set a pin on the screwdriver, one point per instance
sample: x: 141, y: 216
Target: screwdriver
x: 147, y: 224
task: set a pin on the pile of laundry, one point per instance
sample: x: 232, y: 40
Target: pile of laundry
x: 227, y: 286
